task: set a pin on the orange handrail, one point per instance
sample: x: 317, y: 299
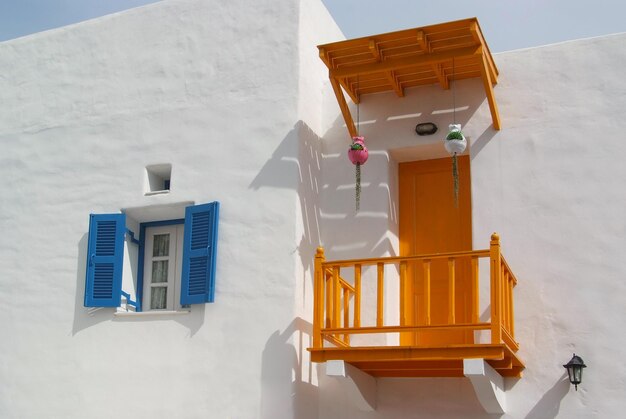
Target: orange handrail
x: 338, y: 302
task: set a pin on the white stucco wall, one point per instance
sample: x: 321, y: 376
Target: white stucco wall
x: 549, y: 183
x: 232, y: 94
x: 214, y: 89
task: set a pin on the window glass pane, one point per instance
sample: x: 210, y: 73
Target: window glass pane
x: 161, y: 245
x: 158, y: 298
x: 159, y: 271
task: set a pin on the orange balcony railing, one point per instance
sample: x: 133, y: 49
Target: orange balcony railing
x: 339, y: 306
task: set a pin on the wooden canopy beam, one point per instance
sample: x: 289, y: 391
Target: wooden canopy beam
x: 425, y: 45
x: 346, y: 88
x: 406, y: 33
x: 400, y: 63
x: 343, y: 105
x: 429, y: 353
x: 389, y: 74
x: 326, y: 59
x: 488, y: 84
x: 478, y: 38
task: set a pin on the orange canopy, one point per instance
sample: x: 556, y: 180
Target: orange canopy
x: 412, y: 57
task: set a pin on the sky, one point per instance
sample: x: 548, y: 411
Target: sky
x: 506, y: 24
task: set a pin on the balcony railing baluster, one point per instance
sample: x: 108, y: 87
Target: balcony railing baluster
x: 336, y: 297
x: 451, y: 291
x: 475, y: 291
x: 427, y: 291
x: 329, y: 297
x: 357, y: 295
x: 403, y: 291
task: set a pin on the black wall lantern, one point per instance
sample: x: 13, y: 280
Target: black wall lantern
x: 575, y: 370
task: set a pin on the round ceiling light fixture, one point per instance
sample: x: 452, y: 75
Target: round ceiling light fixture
x: 426, y: 128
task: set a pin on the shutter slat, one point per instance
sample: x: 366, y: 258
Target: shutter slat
x: 105, y: 238
x: 200, y: 224
x: 197, y: 275
x: 199, y: 254
x: 105, y: 257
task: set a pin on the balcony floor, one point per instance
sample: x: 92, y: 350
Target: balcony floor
x: 422, y: 361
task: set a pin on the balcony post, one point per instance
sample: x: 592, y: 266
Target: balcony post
x: 357, y: 295
x: 496, y: 289
x: 380, y: 297
x: 403, y: 293
x: 318, y: 298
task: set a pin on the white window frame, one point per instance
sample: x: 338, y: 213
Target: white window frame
x: 173, y: 284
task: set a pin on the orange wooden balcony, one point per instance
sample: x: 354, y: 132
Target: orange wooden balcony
x: 439, y: 323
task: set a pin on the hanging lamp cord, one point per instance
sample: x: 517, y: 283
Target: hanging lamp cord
x: 453, y: 94
x: 357, y: 106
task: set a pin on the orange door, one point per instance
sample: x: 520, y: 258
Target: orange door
x: 430, y: 222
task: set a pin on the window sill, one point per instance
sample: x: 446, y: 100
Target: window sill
x: 150, y: 313
x: 164, y: 191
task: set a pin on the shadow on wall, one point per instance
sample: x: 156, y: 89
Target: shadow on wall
x: 548, y: 406
x: 309, y: 186
x: 405, y: 398
x: 388, y: 125
x: 193, y: 321
x: 388, y: 122
x: 348, y: 233
x: 283, y: 387
x: 85, y: 317
x: 482, y: 140
x: 299, y: 154
x: 323, y: 178
x: 294, y: 165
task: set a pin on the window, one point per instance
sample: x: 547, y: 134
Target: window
x: 158, y: 178
x: 176, y: 260
x: 162, y: 265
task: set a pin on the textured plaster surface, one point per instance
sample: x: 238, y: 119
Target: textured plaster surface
x: 550, y: 184
x: 213, y: 88
x: 233, y: 96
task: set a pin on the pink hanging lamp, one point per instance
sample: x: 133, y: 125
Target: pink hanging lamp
x: 358, y: 154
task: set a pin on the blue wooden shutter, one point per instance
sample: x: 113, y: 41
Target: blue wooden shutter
x: 105, y: 257
x: 199, y: 253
